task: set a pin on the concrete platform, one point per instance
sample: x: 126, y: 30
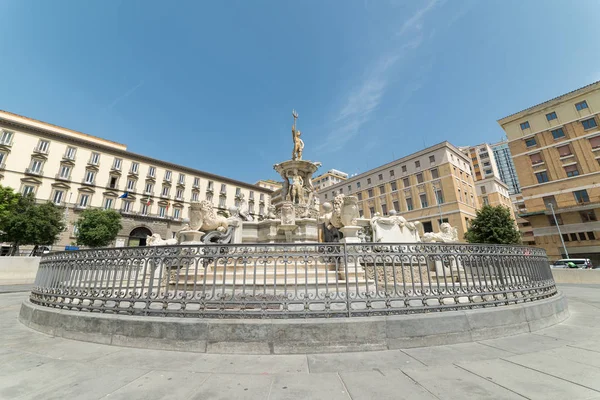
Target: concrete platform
x: 562, y: 361
x: 296, y: 335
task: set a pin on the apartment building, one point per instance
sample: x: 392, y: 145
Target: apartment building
x: 329, y: 178
x: 506, y: 167
x: 269, y: 184
x: 556, y: 151
x: 432, y: 186
x: 79, y: 171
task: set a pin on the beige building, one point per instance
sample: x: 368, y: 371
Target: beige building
x: 80, y: 171
x: 329, y: 178
x: 432, y: 186
x: 269, y: 184
x: 556, y: 150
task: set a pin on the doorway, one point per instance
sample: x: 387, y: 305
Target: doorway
x: 138, y: 236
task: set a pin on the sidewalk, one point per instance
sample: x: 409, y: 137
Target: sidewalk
x: 559, y: 362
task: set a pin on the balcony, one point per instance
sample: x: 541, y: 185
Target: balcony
x: 209, y: 190
x: 6, y: 143
x: 164, y: 196
x: 85, y: 182
x: 31, y: 171
x: 2, y: 166
x: 112, y: 186
x: 93, y: 162
x: 41, y: 150
x: 80, y: 207
x: 68, y: 157
x: 133, y: 173
x: 59, y: 177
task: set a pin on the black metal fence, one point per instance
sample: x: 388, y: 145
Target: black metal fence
x: 292, y: 280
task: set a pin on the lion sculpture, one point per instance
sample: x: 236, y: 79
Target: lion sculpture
x: 204, y: 218
x: 156, y: 240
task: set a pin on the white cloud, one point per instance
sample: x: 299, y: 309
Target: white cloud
x: 364, y: 99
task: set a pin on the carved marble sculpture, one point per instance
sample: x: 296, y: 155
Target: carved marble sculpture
x: 288, y: 214
x: 271, y: 212
x: 156, y: 240
x: 447, y: 234
x: 243, y: 209
x: 204, y: 218
x: 296, y: 195
x: 394, y: 229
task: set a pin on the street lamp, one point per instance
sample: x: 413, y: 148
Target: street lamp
x: 437, y: 198
x: 558, y: 228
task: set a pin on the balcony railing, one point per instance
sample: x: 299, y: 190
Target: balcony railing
x: 32, y: 171
x: 63, y: 178
x: 40, y: 150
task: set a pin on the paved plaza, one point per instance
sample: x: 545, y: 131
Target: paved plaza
x: 560, y: 362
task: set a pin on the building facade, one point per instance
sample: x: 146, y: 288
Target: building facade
x: 329, y: 178
x: 269, y: 184
x: 79, y: 171
x: 506, y: 167
x: 431, y: 186
x: 556, y: 151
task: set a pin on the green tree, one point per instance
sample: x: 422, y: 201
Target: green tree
x: 8, y: 203
x: 33, y: 224
x: 98, y: 228
x: 493, y: 225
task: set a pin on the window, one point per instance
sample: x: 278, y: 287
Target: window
x: 384, y: 209
x: 525, y: 125
x: 406, y: 182
x: 435, y: 173
x: 126, y: 206
x: 108, y: 203
x: 396, y: 205
x: 195, y: 196
x: 358, y: 183
x: 135, y: 167
x: 251, y: 208
x: 58, y: 195
x: 28, y: 190
x: 574, y: 237
x: 530, y: 142
x: 176, y: 213
x: 65, y: 171
x: 588, y: 216
x: 112, y: 183
x: 36, y: 166
x: 536, y: 158
x: 117, y: 164
x: 222, y: 202
x: 542, y: 177
x: 380, y: 176
x: 589, y: 123
x: 551, y: 116
x: 591, y: 236
x: 486, y: 201
x: 370, y: 192
x: 361, y: 213
x: 359, y: 195
x: 341, y: 190
x: 420, y: 178
x: 558, y: 133
x: 42, y: 146
x: 551, y: 220
x: 393, y: 186
x: 179, y: 194
x: 223, y: 188
x: 165, y: 191
x: 262, y: 197
x: 382, y: 189
x: 181, y: 179
x: 2, y: 158
x: 404, y: 168
x: 439, y: 196
x: 427, y: 226
x: 392, y: 173
x: 431, y: 159
x: 145, y: 209
x: 84, y: 200
x: 571, y: 170
x: 6, y: 137
x: 368, y: 181
x: 168, y: 176
x: 595, y: 142
x: 417, y: 164
x: 151, y: 172
x: 581, y: 105
x: 582, y: 236
x: 483, y: 190
x: 564, y: 151
x: 162, y: 211
x: 149, y: 187
x: 89, y: 176
x: 581, y: 196
x: 196, y: 182
x: 131, y: 185
x: 70, y: 153
x: 409, y: 204
x: 488, y: 171
x: 349, y: 188
x: 423, y: 198
x: 95, y: 158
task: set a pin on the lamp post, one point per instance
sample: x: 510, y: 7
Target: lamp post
x: 558, y: 228
x: 437, y: 198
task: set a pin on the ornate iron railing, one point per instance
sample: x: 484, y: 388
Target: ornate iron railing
x: 292, y: 280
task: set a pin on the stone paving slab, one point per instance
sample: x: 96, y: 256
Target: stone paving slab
x: 558, y: 362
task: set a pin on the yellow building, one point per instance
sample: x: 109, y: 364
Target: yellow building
x: 432, y: 186
x: 79, y: 171
x: 556, y: 150
x: 329, y: 178
x: 269, y: 184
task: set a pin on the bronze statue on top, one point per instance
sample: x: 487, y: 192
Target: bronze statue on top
x: 298, y: 143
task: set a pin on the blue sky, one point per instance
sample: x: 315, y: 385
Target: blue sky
x: 212, y: 84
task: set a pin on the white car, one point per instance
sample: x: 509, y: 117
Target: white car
x: 581, y: 263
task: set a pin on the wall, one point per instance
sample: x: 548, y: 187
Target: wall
x: 563, y: 275
x: 18, y: 270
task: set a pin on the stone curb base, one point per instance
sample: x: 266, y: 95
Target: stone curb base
x: 297, y: 336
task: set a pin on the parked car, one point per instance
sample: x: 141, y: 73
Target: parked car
x: 581, y: 263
